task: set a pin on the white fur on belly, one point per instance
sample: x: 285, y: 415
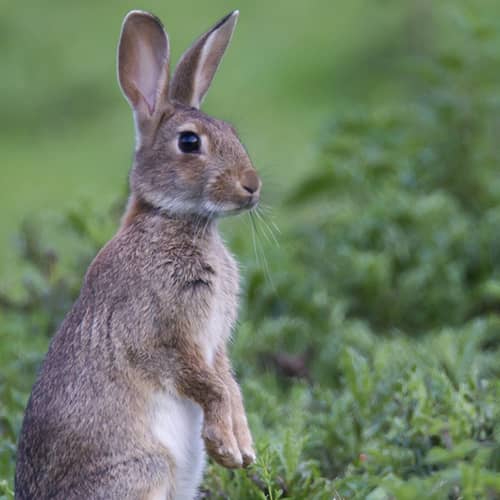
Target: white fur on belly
x: 177, y: 423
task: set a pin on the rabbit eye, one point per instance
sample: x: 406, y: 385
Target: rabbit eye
x: 189, y: 142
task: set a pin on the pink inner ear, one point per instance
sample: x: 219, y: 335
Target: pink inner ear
x: 148, y: 73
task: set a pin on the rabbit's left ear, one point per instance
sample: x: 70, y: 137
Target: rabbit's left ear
x: 198, y: 65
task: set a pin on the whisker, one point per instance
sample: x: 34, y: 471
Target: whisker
x: 265, y: 264
x: 267, y: 210
x: 198, y: 222
x: 267, y: 227
x: 264, y: 207
x: 203, y: 220
x: 254, y: 211
x: 200, y: 227
x: 252, y: 225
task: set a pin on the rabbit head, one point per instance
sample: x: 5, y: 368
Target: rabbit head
x: 185, y: 161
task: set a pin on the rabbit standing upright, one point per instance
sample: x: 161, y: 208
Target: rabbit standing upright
x: 137, y: 382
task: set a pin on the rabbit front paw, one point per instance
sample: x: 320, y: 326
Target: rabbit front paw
x: 222, y: 446
x: 245, y: 443
x: 248, y: 455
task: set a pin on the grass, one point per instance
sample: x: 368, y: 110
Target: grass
x: 369, y: 335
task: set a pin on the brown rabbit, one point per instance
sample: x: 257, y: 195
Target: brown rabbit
x: 137, y: 382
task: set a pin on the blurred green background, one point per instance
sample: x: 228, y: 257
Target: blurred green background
x: 66, y: 131
x: 368, y: 347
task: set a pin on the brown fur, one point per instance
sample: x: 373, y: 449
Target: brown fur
x: 143, y: 322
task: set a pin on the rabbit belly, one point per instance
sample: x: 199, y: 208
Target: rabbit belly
x: 177, y: 424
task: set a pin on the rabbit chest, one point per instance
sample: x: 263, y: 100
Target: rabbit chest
x: 211, y: 288
x: 221, y: 305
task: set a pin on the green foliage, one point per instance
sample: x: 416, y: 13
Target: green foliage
x: 412, y: 199
x: 369, y: 343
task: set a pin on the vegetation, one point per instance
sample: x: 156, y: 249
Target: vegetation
x: 369, y: 342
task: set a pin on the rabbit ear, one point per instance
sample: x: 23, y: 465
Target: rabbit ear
x: 143, y: 57
x: 198, y: 65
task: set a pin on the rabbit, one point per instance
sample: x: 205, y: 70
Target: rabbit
x: 137, y: 383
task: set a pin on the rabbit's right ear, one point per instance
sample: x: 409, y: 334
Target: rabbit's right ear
x: 143, y: 58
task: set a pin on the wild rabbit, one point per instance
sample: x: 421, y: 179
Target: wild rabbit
x: 137, y: 382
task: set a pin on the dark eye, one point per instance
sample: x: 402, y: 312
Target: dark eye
x: 189, y: 142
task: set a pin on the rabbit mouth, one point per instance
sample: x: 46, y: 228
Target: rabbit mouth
x: 231, y: 208
x: 249, y: 203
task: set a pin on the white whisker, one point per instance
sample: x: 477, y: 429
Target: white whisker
x: 258, y: 247
x: 267, y: 227
x: 265, y: 233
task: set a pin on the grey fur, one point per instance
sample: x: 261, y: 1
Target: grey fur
x: 143, y: 323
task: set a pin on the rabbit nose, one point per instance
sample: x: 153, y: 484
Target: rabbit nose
x: 250, y: 181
